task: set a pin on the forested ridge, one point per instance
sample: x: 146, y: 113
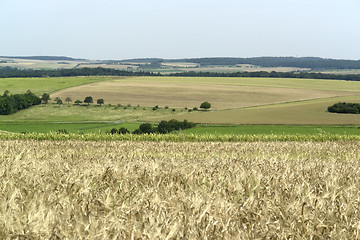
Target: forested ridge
x: 8, y: 72
x: 313, y: 63
x: 303, y: 62
x: 46, y: 58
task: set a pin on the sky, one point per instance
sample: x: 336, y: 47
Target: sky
x: 119, y: 29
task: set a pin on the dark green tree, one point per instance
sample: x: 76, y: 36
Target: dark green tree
x: 113, y: 131
x: 146, y: 128
x: 205, y: 105
x: 88, y: 100
x: 123, y: 131
x: 45, y: 98
x: 6, y: 93
x: 68, y: 100
x: 59, y: 101
x: 77, y: 102
x: 100, y: 101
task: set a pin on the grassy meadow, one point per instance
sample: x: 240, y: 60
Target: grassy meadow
x: 167, y: 190
x: 44, y: 84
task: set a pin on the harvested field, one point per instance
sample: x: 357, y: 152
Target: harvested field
x: 165, y: 190
x: 185, y: 92
x: 310, y: 112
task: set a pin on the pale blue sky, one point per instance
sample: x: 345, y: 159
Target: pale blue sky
x: 110, y: 29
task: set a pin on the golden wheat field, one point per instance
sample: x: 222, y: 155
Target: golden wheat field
x: 167, y: 190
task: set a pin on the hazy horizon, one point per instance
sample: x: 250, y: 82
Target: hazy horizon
x: 176, y: 29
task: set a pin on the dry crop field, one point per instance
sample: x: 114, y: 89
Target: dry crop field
x: 167, y: 190
x: 223, y: 93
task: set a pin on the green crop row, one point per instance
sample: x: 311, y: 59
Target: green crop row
x: 177, y: 137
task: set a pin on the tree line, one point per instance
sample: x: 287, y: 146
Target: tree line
x: 9, y: 72
x: 11, y: 103
x: 162, y: 128
x: 306, y: 75
x: 302, y: 62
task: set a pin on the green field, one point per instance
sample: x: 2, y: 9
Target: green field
x: 44, y: 84
x: 76, y: 127
x: 70, y: 113
x: 200, y: 129
x: 272, y: 129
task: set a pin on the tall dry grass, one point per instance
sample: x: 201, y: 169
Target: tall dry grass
x: 167, y: 190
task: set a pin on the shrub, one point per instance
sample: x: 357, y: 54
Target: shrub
x: 343, y: 107
x: 174, y: 125
x: 62, y: 131
x: 123, y: 131
x: 113, y: 131
x: 146, y: 128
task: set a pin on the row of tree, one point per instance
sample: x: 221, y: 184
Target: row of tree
x: 343, y: 107
x: 9, y: 72
x: 263, y: 74
x: 11, y: 103
x: 302, y: 62
x: 89, y: 99
x: 162, y: 128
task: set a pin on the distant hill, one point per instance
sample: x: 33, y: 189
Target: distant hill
x: 46, y: 58
x: 314, y: 63
x: 303, y: 62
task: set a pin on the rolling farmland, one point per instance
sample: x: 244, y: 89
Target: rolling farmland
x: 236, y: 100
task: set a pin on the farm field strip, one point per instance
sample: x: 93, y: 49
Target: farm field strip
x: 311, y: 112
x: 316, y: 84
x: 45, y: 84
x: 224, y: 93
x: 71, y: 113
x: 105, y: 127
x: 165, y: 190
x: 183, y: 137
